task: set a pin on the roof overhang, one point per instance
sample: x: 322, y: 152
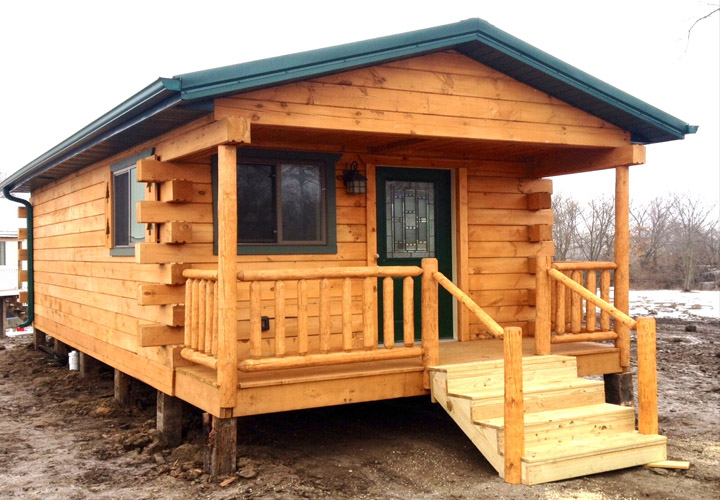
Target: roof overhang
x: 169, y: 103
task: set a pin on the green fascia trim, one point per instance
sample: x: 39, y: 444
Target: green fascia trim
x: 532, y: 56
x: 152, y: 95
x: 284, y: 69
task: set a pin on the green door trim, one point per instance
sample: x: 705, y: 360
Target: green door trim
x: 443, y: 244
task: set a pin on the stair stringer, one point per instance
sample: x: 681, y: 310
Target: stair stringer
x: 460, y: 409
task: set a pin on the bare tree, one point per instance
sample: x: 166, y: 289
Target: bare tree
x: 566, y: 213
x: 693, y: 223
x: 650, y: 228
x: 598, y: 233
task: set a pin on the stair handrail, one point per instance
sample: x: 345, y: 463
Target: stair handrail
x: 613, y: 311
x: 646, y: 352
x: 493, y: 327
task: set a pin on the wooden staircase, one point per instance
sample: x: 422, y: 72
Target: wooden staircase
x: 569, y: 429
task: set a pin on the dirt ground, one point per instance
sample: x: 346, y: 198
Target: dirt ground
x: 62, y: 436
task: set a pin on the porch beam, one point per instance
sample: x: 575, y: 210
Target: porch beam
x: 227, y: 366
x: 228, y: 130
x: 581, y: 160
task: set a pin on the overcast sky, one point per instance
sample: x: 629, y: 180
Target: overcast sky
x: 66, y: 63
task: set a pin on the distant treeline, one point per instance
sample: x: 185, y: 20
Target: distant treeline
x: 674, y: 239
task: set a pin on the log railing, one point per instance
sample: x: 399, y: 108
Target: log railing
x: 492, y: 326
x: 574, y: 313
x: 280, y: 357
x: 646, y: 346
x: 201, y: 314
x: 514, y: 413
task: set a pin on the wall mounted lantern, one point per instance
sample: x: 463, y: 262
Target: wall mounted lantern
x: 355, y: 182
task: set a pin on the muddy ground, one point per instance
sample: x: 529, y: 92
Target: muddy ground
x: 62, y: 436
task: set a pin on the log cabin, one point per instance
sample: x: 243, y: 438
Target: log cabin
x: 357, y: 223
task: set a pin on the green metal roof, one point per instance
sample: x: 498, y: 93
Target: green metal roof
x: 168, y: 103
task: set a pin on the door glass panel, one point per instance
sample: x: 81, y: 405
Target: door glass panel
x: 410, y: 217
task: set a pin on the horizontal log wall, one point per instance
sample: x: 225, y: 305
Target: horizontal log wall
x: 89, y: 299
x: 500, y: 233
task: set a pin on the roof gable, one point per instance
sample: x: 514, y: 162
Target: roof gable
x: 169, y: 103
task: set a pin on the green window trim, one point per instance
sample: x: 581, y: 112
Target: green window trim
x: 117, y: 169
x: 247, y: 155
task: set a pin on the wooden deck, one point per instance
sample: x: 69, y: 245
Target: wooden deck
x: 299, y: 388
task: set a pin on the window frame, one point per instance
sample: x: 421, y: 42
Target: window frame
x: 327, y: 161
x: 116, y: 169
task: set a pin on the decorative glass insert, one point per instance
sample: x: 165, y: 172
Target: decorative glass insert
x: 410, y: 218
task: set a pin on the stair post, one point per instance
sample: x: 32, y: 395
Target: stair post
x: 514, y: 414
x: 647, y: 376
x: 429, y: 312
x: 542, y: 306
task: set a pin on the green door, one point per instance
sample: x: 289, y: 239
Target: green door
x: 414, y: 222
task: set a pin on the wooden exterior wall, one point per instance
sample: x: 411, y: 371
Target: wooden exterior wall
x: 119, y: 308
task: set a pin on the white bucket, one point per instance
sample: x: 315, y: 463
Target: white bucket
x: 74, y: 361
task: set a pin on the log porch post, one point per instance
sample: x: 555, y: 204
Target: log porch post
x: 618, y: 386
x: 622, y: 259
x: 227, y: 366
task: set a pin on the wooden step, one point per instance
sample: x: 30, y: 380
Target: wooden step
x: 494, y: 380
x: 569, y: 430
x: 463, y: 370
x: 555, y: 396
x: 592, y: 455
x: 554, y: 428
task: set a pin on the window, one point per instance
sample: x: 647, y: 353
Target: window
x: 126, y: 192
x: 286, y: 201
x: 3, y: 257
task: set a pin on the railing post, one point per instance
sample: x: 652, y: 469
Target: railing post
x: 542, y: 306
x: 227, y: 371
x: 514, y: 406
x: 647, y: 376
x: 429, y: 312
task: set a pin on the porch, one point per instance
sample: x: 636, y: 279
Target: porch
x: 328, y: 351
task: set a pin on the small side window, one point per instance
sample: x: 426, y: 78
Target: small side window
x: 126, y: 191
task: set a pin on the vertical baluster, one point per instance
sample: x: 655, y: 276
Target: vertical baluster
x: 255, y: 321
x: 369, y: 341
x: 202, y: 296
x: 388, y: 313
x: 605, y: 295
x: 324, y: 315
x: 347, y: 315
x: 553, y: 306
x: 408, y: 311
x: 279, y: 318
x: 194, y: 313
x: 209, y: 316
x: 568, y: 303
x: 302, y: 317
x: 560, y: 311
x: 576, y: 306
x: 216, y: 309
x: 188, y: 312
x: 590, y: 313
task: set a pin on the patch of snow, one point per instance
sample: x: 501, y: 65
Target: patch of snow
x: 675, y: 304
x: 12, y: 332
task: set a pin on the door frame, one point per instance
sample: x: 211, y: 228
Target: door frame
x: 452, y: 253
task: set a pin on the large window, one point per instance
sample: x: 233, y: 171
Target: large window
x: 286, y: 201
x: 126, y: 192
